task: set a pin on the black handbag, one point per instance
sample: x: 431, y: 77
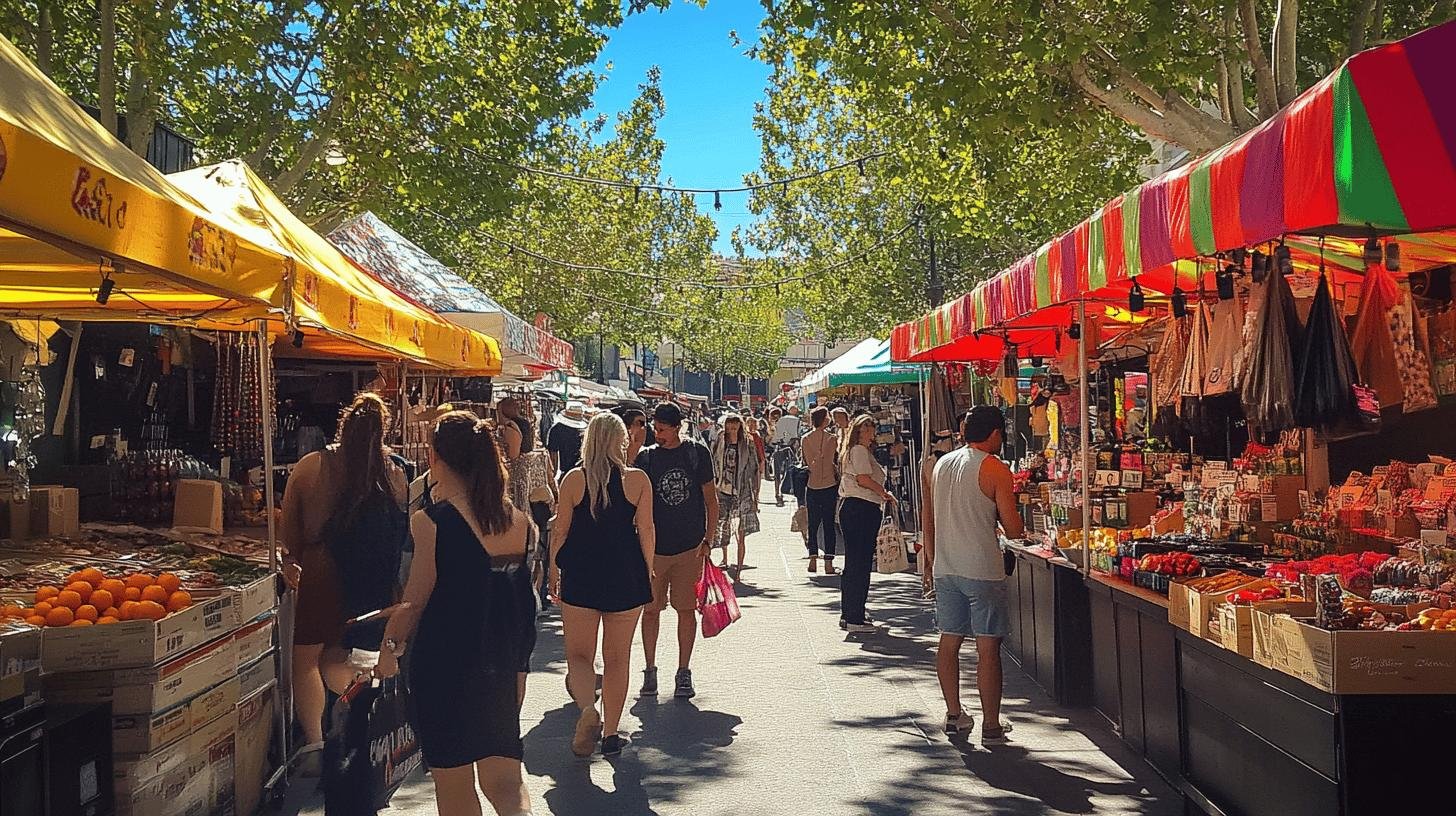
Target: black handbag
x: 371, y: 748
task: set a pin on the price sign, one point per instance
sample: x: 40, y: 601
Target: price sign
x: 1109, y: 478
x: 1304, y: 501
x: 1248, y: 484
x: 1132, y: 479
x: 1270, y: 507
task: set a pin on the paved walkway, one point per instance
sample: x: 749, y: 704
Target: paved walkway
x: 795, y: 717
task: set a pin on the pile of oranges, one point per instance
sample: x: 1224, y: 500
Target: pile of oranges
x: 91, y: 598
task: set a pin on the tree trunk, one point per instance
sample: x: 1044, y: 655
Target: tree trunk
x: 1233, y: 61
x: 1444, y: 10
x: 106, y: 64
x: 44, y: 37
x: 310, y: 153
x: 1264, y: 90
x: 1359, y: 26
x: 1286, y: 51
x: 1145, y: 119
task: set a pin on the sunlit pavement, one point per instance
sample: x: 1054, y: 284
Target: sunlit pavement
x: 795, y: 717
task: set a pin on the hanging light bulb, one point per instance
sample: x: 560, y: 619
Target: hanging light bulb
x: 1392, y: 256
x: 1284, y: 259
x: 1010, y: 363
x: 1180, y: 302
x: 1074, y: 331
x: 1258, y: 266
x: 717, y: 200
x: 298, y: 338
x: 1372, y: 251
x: 1136, y: 301
x: 1225, y: 282
x: 865, y: 186
x: 1238, y: 255
x: 103, y: 293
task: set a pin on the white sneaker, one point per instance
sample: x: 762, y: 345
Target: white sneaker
x: 959, y: 724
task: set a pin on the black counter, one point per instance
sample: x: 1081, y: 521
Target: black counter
x: 1239, y: 738
x: 1050, y: 633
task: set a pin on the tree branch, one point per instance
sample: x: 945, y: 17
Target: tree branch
x: 1444, y: 10
x: 260, y: 154
x: 1286, y: 51
x: 310, y: 153
x: 1149, y: 121
x: 1232, y: 62
x: 44, y: 37
x: 1264, y: 89
x: 1212, y: 131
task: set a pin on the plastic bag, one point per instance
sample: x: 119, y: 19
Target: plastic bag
x: 1167, y: 366
x: 1324, y: 394
x: 800, y: 522
x: 371, y: 748
x: 717, y: 603
x: 1266, y: 387
x: 1371, y: 343
x: 890, y: 555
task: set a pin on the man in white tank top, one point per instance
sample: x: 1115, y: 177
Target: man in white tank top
x: 967, y: 495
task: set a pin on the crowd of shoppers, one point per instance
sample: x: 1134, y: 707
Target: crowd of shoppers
x: 634, y: 509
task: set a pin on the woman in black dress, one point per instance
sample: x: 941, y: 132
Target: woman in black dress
x: 471, y: 608
x: 602, y: 542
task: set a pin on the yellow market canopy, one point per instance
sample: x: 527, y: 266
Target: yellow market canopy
x: 75, y: 203
x: 329, y: 291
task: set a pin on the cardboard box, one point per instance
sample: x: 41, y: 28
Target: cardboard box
x: 254, y: 640
x: 1236, y: 623
x: 198, y: 506
x: 133, y: 772
x: 136, y: 643
x: 15, y: 519
x: 252, y: 765
x: 1262, y: 615
x: 1192, y: 609
x: 257, y: 675
x: 140, y: 733
x: 55, y: 511
x: 19, y: 665
x: 150, y: 689
x: 249, y: 602
x: 197, y: 782
x: 1364, y: 662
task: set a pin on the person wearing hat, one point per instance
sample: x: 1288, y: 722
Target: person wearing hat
x: 564, y: 440
x: 970, y: 494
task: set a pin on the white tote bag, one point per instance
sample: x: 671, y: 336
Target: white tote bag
x: 890, y: 555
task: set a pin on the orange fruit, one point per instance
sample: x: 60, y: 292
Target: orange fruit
x: 44, y: 608
x: 139, y: 580
x: 111, y: 612
x: 81, y: 588
x: 45, y: 593
x: 74, y: 577
x: 115, y: 586
x: 105, y: 619
x: 101, y: 599
x: 132, y: 593
x: 80, y: 622
x: 87, y: 612
x: 92, y: 575
x: 69, y: 599
x: 27, y: 612
x: 11, y: 611
x: 127, y: 610
x: 60, y: 616
x: 149, y: 610
x: 36, y: 620
x: 169, y: 582
x: 179, y: 601
x: 155, y: 593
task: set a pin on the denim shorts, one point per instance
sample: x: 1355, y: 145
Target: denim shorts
x: 970, y: 607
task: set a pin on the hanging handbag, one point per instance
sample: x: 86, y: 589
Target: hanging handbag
x: 890, y: 555
x: 800, y: 524
x: 370, y: 749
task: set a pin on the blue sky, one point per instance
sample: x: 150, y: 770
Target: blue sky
x: 709, y: 87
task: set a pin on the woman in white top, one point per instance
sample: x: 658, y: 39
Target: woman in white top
x: 862, y: 498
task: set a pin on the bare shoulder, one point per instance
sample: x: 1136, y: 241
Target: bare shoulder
x: 635, y: 480
x: 420, y: 521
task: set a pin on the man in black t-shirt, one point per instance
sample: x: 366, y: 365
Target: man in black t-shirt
x: 564, y: 440
x: 684, y: 509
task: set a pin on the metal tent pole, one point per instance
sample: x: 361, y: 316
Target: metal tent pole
x: 1085, y: 432
x: 266, y: 398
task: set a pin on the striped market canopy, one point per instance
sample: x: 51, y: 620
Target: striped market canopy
x: 1370, y: 150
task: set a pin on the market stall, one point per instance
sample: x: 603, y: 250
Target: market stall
x: 1268, y: 567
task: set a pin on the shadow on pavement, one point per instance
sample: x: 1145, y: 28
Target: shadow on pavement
x: 1014, y: 769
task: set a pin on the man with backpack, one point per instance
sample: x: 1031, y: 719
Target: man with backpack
x: 684, y: 510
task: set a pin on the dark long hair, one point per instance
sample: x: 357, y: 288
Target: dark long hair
x: 467, y: 444
x: 360, y: 442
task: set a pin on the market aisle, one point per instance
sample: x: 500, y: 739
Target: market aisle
x: 794, y: 717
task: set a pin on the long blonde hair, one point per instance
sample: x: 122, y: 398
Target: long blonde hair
x: 851, y: 438
x: 605, y: 448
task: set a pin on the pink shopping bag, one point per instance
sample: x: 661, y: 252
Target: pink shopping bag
x: 716, y: 601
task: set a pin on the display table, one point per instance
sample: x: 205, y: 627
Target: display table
x: 1050, y: 637
x: 1240, y: 738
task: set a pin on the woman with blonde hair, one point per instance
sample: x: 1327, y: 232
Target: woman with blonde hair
x: 736, y: 472
x: 468, y: 623
x: 602, y: 544
x: 862, y: 498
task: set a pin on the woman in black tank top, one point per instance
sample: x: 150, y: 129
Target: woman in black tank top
x: 602, y: 544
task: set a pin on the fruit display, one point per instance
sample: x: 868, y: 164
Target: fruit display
x: 1249, y: 596
x: 1432, y: 620
x: 90, y: 597
x: 1174, y: 563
